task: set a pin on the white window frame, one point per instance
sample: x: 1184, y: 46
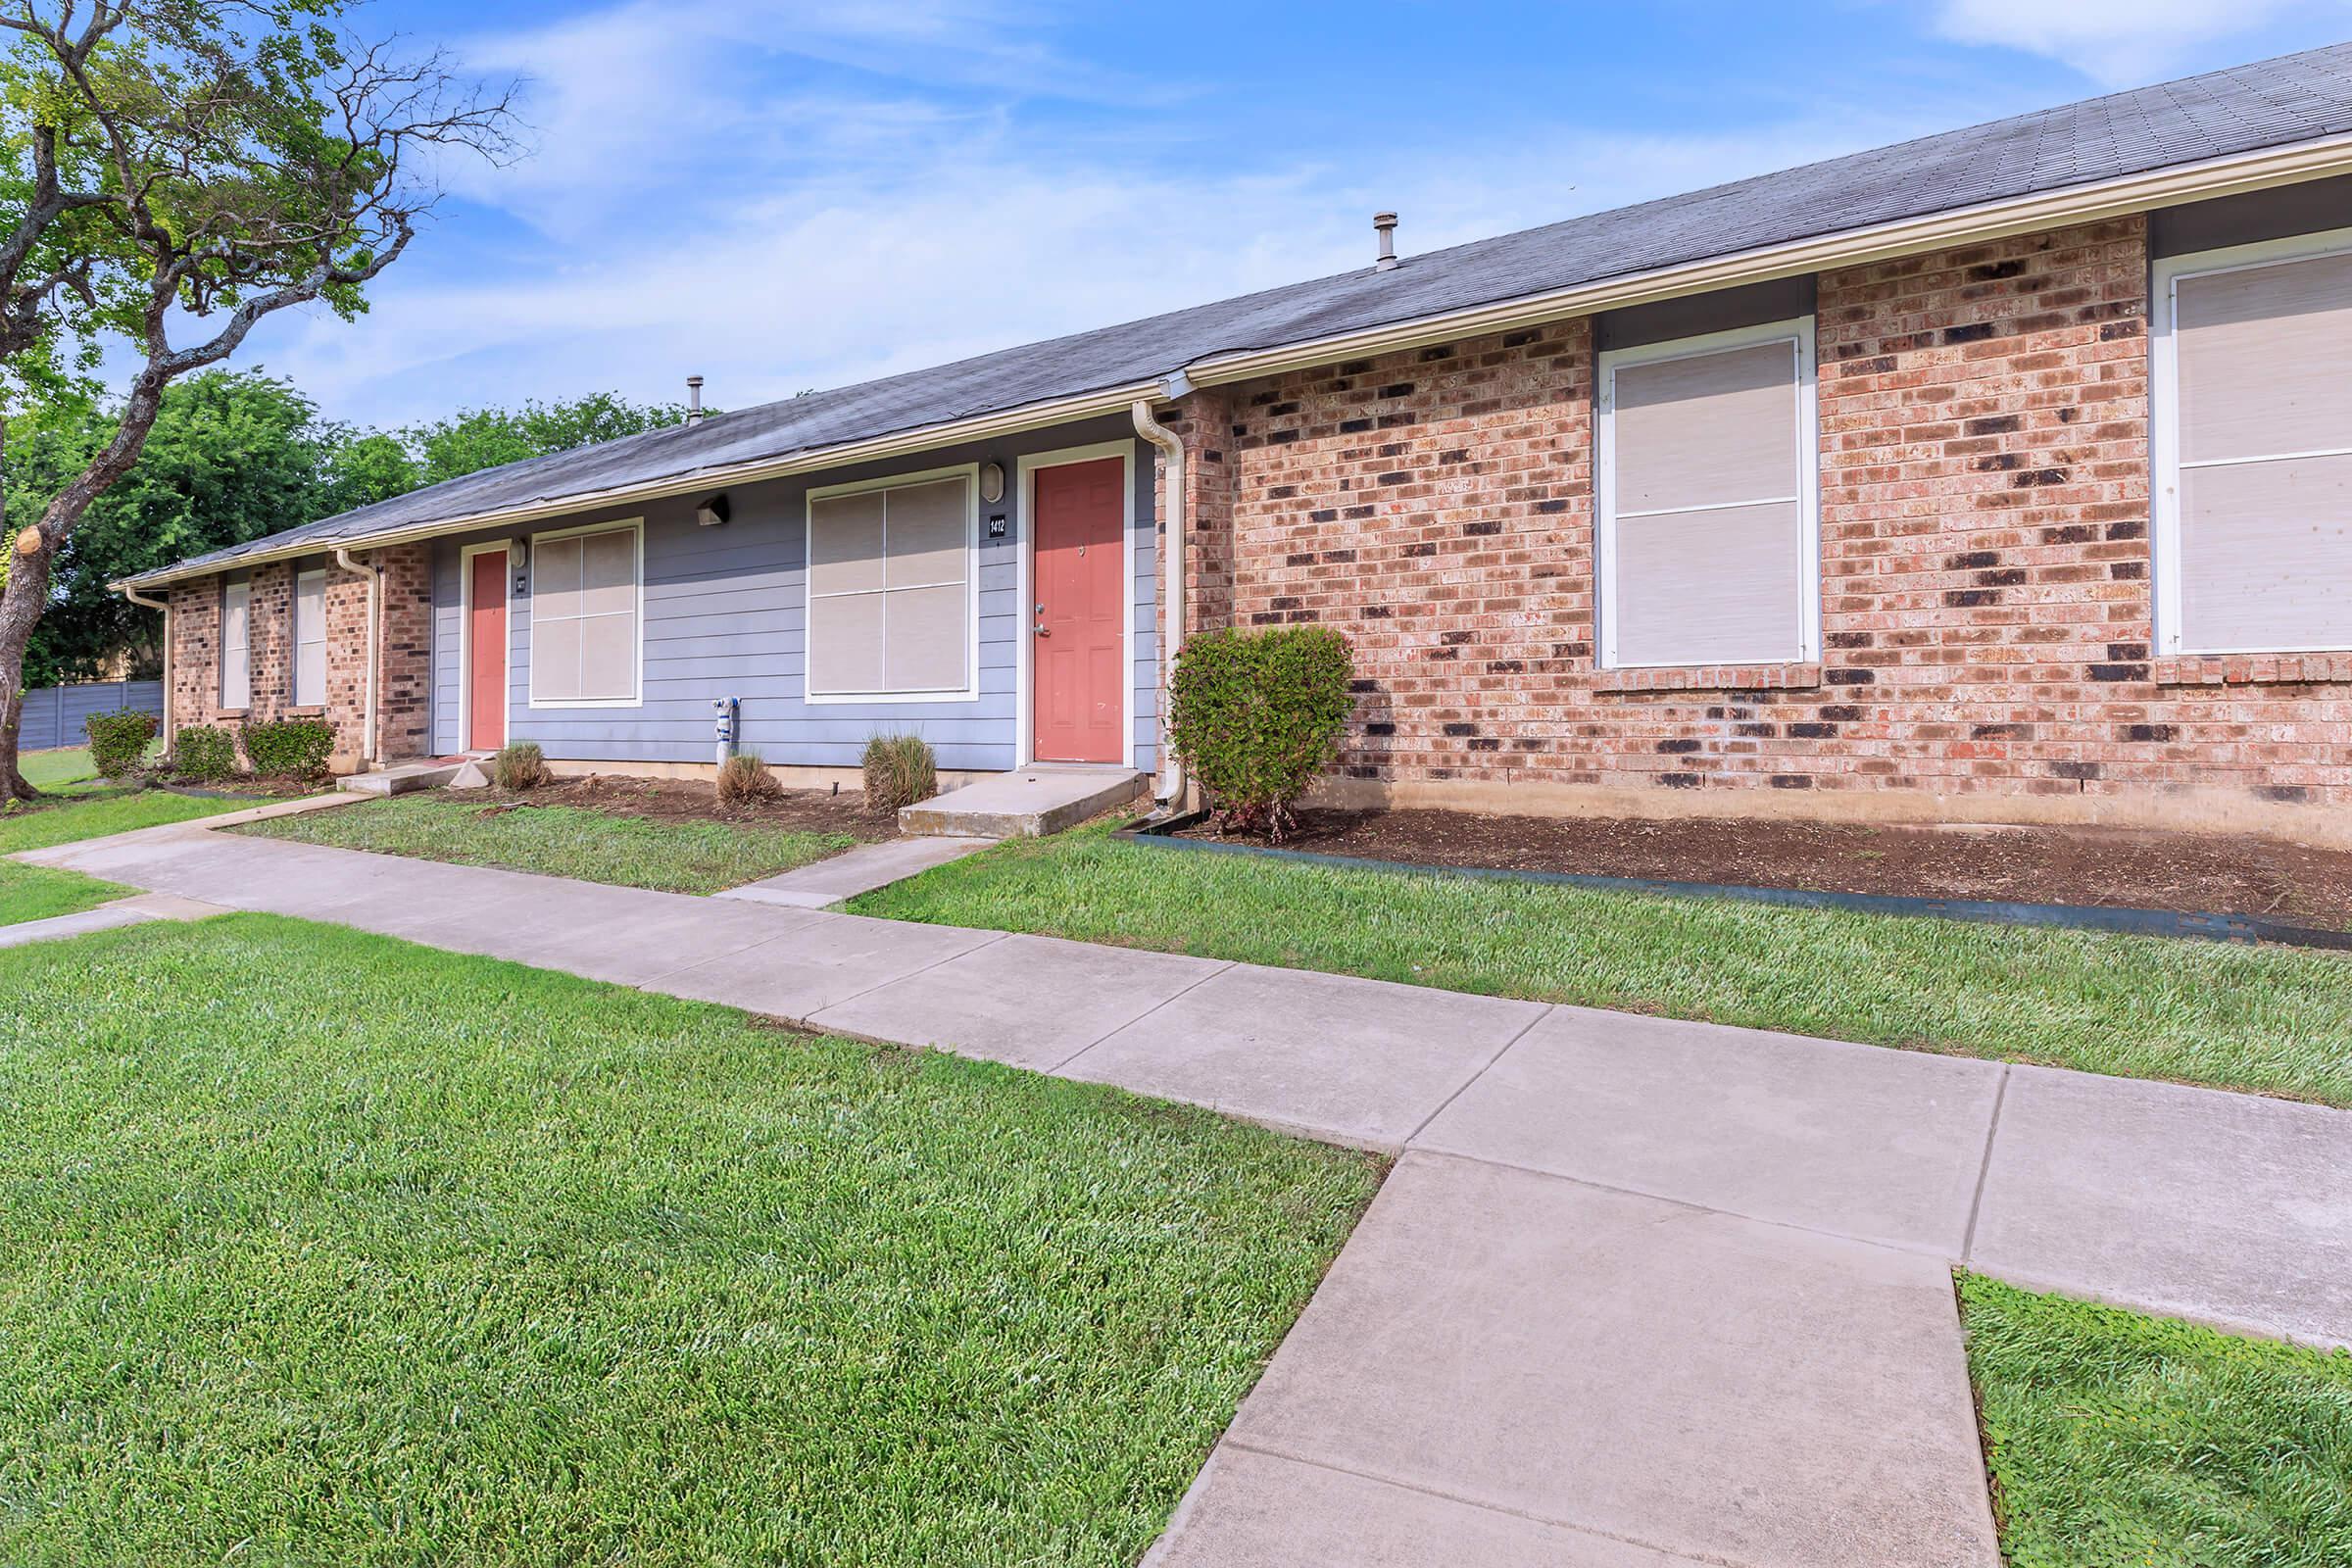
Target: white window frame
x: 244, y: 586
x: 294, y: 641
x: 1026, y: 468
x: 2164, y: 432
x: 970, y: 473
x: 636, y: 698
x: 1797, y: 331
x: 505, y: 548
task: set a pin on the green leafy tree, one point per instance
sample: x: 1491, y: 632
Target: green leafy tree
x: 363, y: 468
x: 475, y: 439
x: 232, y: 456
x: 172, y: 172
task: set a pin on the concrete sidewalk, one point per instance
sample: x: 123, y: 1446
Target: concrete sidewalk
x: 1639, y: 1291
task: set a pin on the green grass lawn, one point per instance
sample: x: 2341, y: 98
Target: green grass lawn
x: 320, y: 1247
x: 563, y: 841
x: 49, y: 770
x: 95, y: 814
x: 2277, y: 1020
x: 2116, y: 1439
x: 37, y: 892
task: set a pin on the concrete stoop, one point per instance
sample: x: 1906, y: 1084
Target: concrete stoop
x: 400, y: 777
x: 1027, y: 803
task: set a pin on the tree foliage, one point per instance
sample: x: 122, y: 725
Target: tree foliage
x: 234, y: 456
x: 171, y: 172
x: 475, y: 439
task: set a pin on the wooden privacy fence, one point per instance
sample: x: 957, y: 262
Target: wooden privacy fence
x: 54, y: 714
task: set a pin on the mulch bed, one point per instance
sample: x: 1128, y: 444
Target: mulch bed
x: 2121, y: 867
x: 677, y: 800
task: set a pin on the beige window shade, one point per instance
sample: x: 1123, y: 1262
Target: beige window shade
x: 309, y: 639
x: 1707, y: 510
x: 584, y: 617
x: 890, y: 591
x: 2263, y: 356
x: 236, y: 645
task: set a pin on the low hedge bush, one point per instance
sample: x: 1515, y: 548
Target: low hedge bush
x: 203, y: 752
x: 1256, y: 715
x: 290, y: 748
x: 899, y: 770
x: 118, y: 741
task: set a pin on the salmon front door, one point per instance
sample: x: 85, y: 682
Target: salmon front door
x: 486, y: 651
x: 1078, y: 646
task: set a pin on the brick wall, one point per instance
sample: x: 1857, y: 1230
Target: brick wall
x: 1985, y: 605
x: 403, y: 724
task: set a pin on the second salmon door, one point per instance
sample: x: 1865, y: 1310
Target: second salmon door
x: 1078, y: 650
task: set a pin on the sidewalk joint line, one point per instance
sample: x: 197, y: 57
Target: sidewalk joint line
x: 1906, y: 1248
x: 732, y: 953
x: 842, y: 1001
x: 1484, y: 1068
x: 1223, y: 965
x: 1992, y: 1132
x: 1508, y: 1510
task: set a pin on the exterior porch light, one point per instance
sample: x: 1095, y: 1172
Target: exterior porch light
x: 992, y: 482
x: 713, y: 512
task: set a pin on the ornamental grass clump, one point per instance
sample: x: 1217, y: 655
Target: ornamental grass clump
x: 518, y: 768
x: 1254, y: 716
x: 744, y: 781
x: 899, y: 770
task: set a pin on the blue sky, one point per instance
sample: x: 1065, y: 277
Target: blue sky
x: 789, y: 195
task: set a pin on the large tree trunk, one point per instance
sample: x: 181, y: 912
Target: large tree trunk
x: 27, y: 593
x: 20, y: 610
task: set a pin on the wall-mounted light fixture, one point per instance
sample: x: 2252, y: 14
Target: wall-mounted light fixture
x: 517, y: 560
x: 992, y: 482
x: 713, y: 512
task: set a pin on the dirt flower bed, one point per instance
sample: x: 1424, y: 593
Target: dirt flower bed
x: 2127, y: 867
x: 677, y: 800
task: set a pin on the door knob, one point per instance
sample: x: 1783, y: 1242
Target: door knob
x: 1043, y: 632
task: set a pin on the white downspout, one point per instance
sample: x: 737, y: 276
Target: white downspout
x: 1171, y: 574
x: 375, y: 582
x: 164, y: 605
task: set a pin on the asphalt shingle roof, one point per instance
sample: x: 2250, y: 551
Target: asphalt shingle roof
x: 2295, y: 98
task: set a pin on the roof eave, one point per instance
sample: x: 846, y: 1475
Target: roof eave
x: 2202, y: 180
x: 2205, y: 180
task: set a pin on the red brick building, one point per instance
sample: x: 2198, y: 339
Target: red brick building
x: 1924, y: 484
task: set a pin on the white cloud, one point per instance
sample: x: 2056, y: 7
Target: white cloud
x: 706, y: 201
x: 2116, y: 42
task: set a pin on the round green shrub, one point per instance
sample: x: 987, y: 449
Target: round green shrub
x: 290, y: 748
x: 120, y: 741
x: 205, y: 753
x: 1254, y: 716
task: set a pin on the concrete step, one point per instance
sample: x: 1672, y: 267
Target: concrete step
x: 402, y: 777
x: 1027, y: 803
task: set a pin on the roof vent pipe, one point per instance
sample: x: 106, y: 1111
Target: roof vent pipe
x: 1384, y: 224
x: 693, y: 400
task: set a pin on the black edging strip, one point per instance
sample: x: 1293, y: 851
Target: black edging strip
x: 2243, y: 928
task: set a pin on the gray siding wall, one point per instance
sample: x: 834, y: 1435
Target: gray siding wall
x: 725, y: 616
